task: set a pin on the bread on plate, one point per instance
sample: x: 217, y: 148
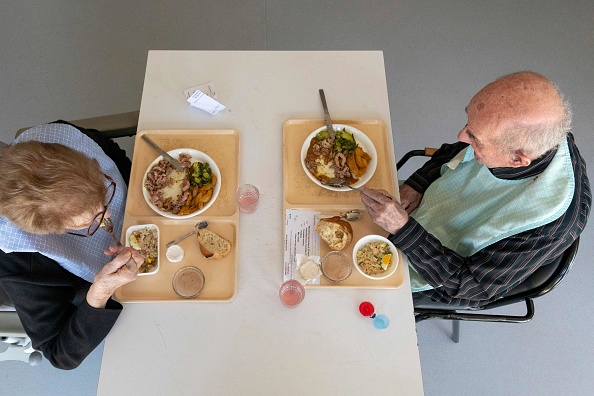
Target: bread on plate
x: 213, y: 245
x: 335, y: 231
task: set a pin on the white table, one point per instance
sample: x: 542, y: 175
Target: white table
x: 253, y: 345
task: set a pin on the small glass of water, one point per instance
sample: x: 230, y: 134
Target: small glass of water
x: 247, y: 197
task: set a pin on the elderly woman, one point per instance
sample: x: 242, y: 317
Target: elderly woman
x: 58, y: 184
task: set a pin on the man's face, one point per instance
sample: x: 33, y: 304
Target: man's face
x: 480, y: 132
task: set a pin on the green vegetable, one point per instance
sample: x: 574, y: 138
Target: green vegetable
x: 343, y: 143
x: 323, y: 135
x: 200, y: 174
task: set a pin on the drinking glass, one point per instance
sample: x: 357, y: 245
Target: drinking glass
x: 291, y: 293
x: 247, y: 197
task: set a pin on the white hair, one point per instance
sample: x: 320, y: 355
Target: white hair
x: 535, y: 140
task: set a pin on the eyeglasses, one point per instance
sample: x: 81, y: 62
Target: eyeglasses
x: 98, y: 219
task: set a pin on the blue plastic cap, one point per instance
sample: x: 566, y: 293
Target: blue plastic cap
x: 381, y: 322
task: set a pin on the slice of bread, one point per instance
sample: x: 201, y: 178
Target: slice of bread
x: 335, y: 231
x: 213, y: 245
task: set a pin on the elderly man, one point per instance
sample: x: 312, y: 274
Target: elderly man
x: 486, y: 212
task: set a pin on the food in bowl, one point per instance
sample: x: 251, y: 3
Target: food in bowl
x: 374, y: 258
x: 341, y: 158
x: 146, y: 240
x: 180, y: 193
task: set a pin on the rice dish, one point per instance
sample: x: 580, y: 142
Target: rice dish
x: 374, y: 258
x: 146, y: 241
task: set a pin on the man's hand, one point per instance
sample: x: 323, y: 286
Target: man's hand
x: 113, y: 275
x: 384, y: 210
x: 409, y: 198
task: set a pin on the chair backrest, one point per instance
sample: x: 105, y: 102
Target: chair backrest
x: 542, y: 281
x: 5, y: 301
x: 111, y: 126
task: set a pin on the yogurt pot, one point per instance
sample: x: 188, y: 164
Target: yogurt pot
x: 175, y: 253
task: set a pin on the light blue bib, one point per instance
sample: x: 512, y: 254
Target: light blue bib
x: 468, y: 208
x: 81, y: 256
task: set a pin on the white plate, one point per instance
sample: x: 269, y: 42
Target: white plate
x: 196, y: 156
x: 139, y: 227
x: 361, y: 139
x: 376, y: 238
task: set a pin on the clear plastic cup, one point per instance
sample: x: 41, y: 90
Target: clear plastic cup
x: 247, y: 197
x: 291, y: 293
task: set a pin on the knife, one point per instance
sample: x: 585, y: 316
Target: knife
x: 327, y: 115
x: 166, y: 156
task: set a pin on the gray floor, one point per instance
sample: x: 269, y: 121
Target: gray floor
x: 76, y: 59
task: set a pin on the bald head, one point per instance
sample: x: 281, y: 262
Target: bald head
x: 522, y: 111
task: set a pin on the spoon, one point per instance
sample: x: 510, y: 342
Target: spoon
x: 351, y: 215
x: 197, y: 227
x: 107, y: 226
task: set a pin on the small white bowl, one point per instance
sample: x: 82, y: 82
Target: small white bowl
x: 376, y: 238
x: 139, y: 227
x: 196, y: 156
x: 360, y: 138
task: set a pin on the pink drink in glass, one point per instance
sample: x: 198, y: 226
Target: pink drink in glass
x: 248, y: 203
x: 291, y: 293
x: 247, y: 198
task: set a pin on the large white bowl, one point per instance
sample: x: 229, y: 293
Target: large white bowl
x: 376, y: 238
x: 196, y: 156
x: 361, y: 139
x: 139, y: 227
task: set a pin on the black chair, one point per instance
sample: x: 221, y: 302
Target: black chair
x: 542, y: 281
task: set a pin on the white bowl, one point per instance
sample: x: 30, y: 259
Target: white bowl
x: 196, y: 156
x: 139, y: 227
x: 361, y: 139
x: 376, y: 238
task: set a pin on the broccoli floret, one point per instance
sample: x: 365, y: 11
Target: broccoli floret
x: 200, y: 174
x: 344, y: 141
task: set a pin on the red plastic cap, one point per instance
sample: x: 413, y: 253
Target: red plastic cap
x: 366, y: 308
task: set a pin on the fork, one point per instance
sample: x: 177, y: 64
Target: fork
x: 107, y: 225
x: 336, y: 182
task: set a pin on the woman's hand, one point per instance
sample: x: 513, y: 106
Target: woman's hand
x: 410, y: 198
x: 384, y: 210
x: 113, y: 275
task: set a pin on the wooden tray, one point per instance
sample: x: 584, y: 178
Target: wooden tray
x: 223, y: 146
x: 299, y: 192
